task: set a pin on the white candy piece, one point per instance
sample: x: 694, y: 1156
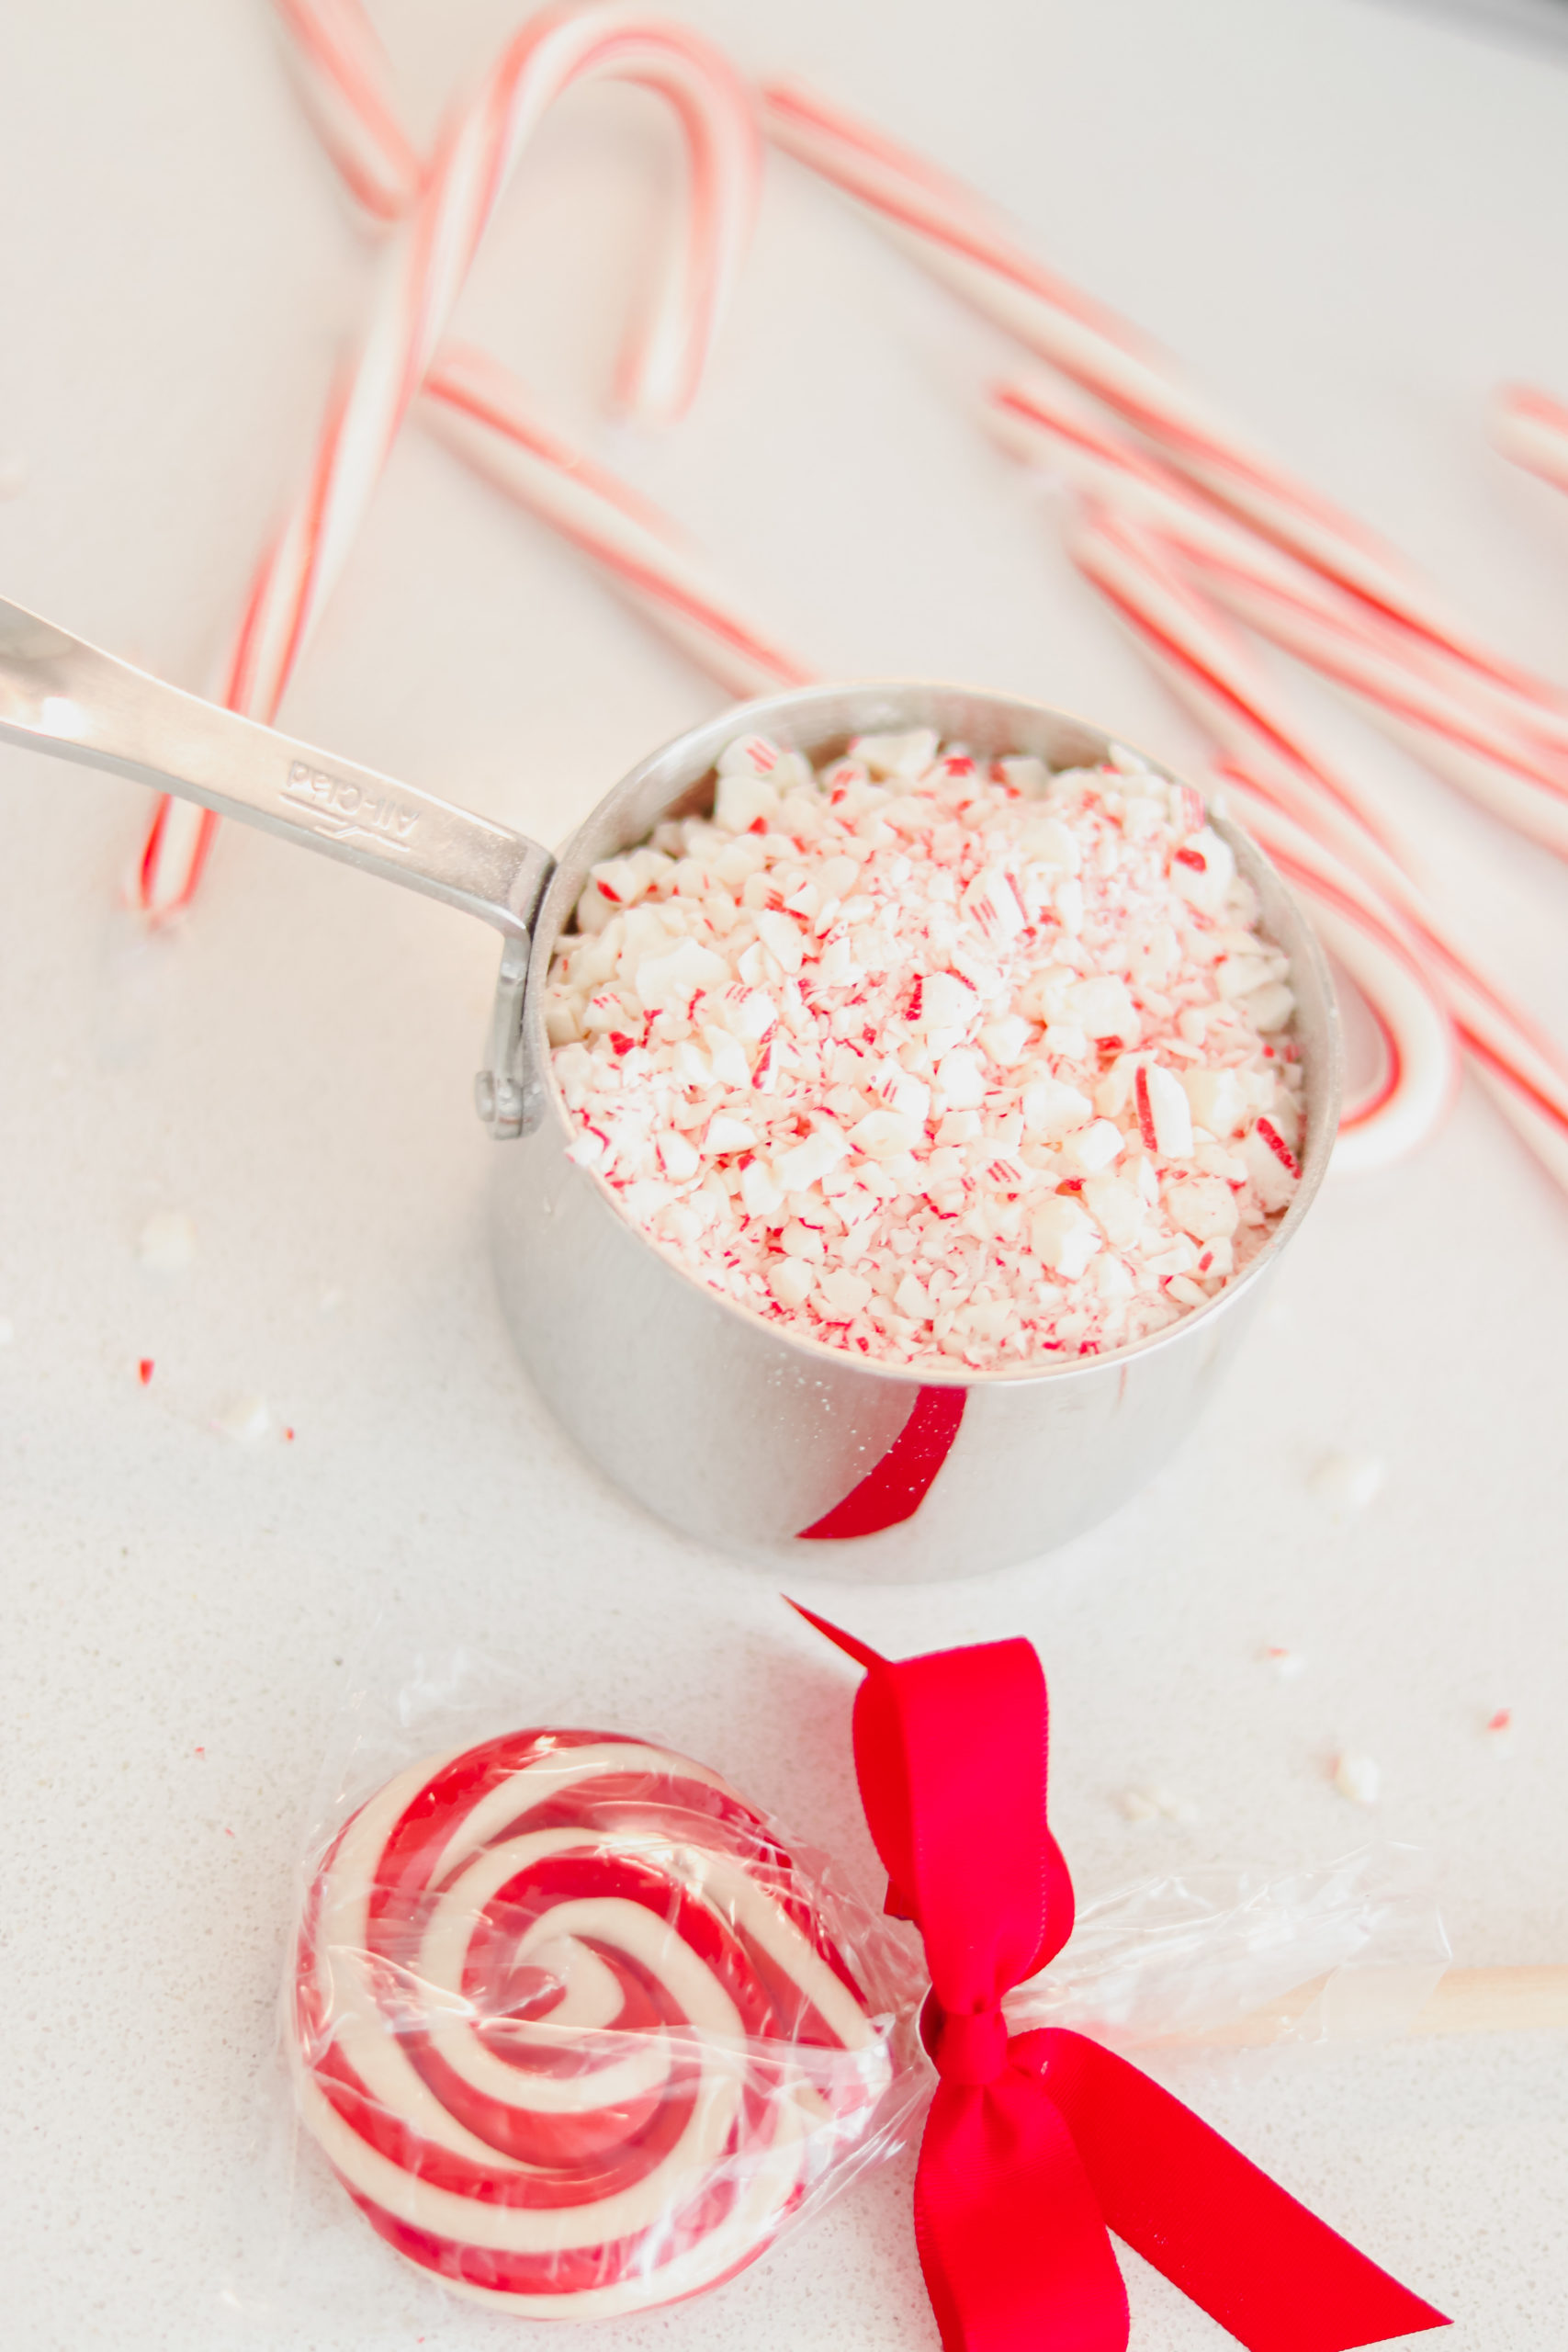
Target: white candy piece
x: 245, y: 1419
x: 960, y: 1080
x: 1117, y: 1208
x: 1156, y: 1804
x: 992, y: 904
x: 166, y: 1244
x: 1051, y: 1109
x: 901, y: 755
x: 1104, y: 1008
x: 1357, y: 1777
x: 842, y: 1294
x: 1348, y: 1482
x: 727, y: 1135
x: 946, y: 1002
x: 1062, y: 1237
x: 680, y: 1158
x: 1271, y: 1180
x: 1169, y: 1111
x: 1204, y: 884
x: 1216, y: 1100
x: 809, y: 1161
x: 1203, y: 1207
x: 1087, y: 1149
x: 1285, y: 1665
x: 883, y: 1135
x: 669, y: 981
x: 791, y: 1282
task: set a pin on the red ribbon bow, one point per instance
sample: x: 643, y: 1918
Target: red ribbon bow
x: 1038, y: 2145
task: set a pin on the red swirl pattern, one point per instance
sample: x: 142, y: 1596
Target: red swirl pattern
x: 568, y: 2027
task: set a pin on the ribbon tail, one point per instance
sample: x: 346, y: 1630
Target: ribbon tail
x: 1234, y: 2241
x: 1011, y: 2240
x: 862, y: 1652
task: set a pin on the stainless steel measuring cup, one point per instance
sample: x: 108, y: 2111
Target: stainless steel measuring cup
x: 776, y: 1449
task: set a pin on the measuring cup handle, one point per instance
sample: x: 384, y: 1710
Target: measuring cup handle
x: 61, y: 696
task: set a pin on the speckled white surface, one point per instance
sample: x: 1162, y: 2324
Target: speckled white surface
x: 1347, y: 218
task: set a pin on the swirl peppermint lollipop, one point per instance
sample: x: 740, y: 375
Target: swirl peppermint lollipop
x: 568, y: 2026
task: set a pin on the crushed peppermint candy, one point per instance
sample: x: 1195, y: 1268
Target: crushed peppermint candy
x: 1348, y: 1482
x: 944, y: 1061
x: 1287, y: 1665
x: 1357, y: 1777
x: 1156, y: 1805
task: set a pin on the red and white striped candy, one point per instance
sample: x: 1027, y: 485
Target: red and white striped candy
x: 1531, y: 428
x: 481, y: 411
x: 346, y: 82
x: 559, y: 49
x: 1306, y: 815
x: 568, y: 2027
x: 1508, y: 753
x: 956, y: 238
x: 1366, y: 938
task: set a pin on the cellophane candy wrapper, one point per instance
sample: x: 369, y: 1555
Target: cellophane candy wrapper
x: 1224, y: 1958
x: 578, y: 2029
x: 581, y: 2031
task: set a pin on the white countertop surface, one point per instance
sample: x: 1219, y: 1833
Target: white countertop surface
x: 1350, y: 222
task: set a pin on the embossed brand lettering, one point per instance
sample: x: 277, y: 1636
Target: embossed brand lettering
x: 347, y: 808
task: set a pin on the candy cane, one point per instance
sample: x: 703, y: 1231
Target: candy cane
x: 1522, y: 1072
x: 1354, y: 879
x: 1531, y: 428
x: 570, y: 2028
x: 1215, y: 673
x: 429, y: 267
x: 344, y: 80
x: 1420, y: 1060
x: 953, y: 234
x: 481, y: 411
x: 1491, y: 746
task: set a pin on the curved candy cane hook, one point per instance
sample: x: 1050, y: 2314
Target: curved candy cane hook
x: 426, y: 270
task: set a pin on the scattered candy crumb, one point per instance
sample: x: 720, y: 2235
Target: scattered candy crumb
x: 144, y: 1370
x: 166, y: 1243
x: 1357, y: 1778
x: 1284, y: 1664
x: 288, y: 1437
x: 1500, y: 1731
x: 248, y: 1419
x: 198, y: 1751
x: 1156, y: 1805
x: 1348, y: 1482
x: 936, y: 1060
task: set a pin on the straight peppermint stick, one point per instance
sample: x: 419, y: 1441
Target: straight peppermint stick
x: 954, y: 235
x: 1189, y: 645
x: 1531, y: 428
x: 483, y: 414
x: 344, y: 80
x: 1496, y: 748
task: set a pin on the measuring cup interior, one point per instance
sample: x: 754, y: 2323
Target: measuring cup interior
x: 819, y: 721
